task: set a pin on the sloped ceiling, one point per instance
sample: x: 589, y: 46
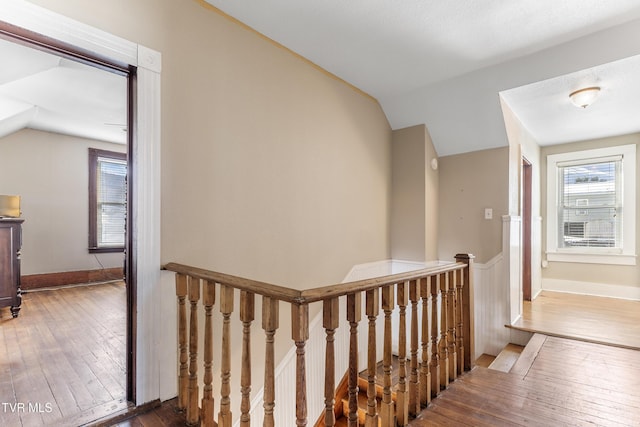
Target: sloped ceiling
x: 46, y: 92
x: 444, y: 63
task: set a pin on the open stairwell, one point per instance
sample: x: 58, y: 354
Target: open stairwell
x: 435, y: 342
x: 550, y: 381
x: 342, y: 397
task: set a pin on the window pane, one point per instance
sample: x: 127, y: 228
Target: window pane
x: 590, y: 211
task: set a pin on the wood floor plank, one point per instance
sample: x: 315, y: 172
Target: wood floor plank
x: 597, y: 386
x: 66, y: 350
x: 596, y: 319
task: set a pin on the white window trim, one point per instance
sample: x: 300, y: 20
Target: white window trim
x: 594, y: 255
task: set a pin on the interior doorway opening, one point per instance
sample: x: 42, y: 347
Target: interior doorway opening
x: 74, y: 61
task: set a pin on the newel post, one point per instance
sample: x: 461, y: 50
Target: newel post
x: 300, y: 335
x: 467, y: 310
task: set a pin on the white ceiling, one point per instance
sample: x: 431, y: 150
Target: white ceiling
x: 441, y: 62
x: 42, y: 91
x: 547, y: 112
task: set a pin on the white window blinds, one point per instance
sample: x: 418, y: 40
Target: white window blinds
x: 111, y: 202
x: 590, y: 203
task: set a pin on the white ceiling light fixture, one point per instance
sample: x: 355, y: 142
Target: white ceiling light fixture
x: 584, y: 97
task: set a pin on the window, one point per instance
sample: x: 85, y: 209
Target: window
x: 107, y: 200
x: 591, y: 206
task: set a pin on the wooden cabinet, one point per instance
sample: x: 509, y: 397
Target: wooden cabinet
x: 10, y: 243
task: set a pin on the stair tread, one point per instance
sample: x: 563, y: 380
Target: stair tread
x: 528, y: 355
x: 507, y: 358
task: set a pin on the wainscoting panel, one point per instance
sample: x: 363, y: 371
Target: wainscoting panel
x: 491, y: 292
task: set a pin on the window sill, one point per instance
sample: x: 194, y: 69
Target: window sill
x: 612, y: 259
x: 105, y: 250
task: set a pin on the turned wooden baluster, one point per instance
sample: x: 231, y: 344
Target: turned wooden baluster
x: 425, y: 374
x: 451, y: 324
x: 459, y: 321
x: 387, y: 408
x: 435, y: 357
x: 193, y: 411
x: 226, y: 308
x: 402, y: 407
x: 270, y: 323
x: 467, y: 310
x: 414, y: 391
x: 373, y: 307
x: 443, y: 345
x: 208, y: 299
x: 183, y: 373
x: 330, y: 322
x: 300, y: 335
x: 247, y: 314
x: 354, y: 314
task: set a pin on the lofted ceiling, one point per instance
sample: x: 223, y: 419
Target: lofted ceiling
x: 42, y: 91
x: 444, y: 63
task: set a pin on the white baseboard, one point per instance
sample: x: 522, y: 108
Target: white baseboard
x: 595, y: 289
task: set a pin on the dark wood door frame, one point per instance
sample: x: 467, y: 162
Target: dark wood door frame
x: 41, y: 42
x: 526, y: 228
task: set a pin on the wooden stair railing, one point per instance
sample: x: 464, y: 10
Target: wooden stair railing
x: 437, y: 355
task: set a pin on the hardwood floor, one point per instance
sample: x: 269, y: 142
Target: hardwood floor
x: 62, y: 361
x: 163, y: 416
x: 595, y: 319
x: 570, y: 383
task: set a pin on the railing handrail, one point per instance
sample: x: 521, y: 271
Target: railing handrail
x: 307, y: 296
x: 447, y: 288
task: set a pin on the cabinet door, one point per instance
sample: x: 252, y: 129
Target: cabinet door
x: 7, y: 285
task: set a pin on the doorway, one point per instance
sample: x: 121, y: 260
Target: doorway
x: 75, y: 62
x: 526, y: 228
x: 28, y: 22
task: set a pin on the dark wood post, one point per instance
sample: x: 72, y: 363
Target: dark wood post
x: 467, y: 310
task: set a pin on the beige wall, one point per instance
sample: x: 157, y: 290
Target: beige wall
x: 408, y: 194
x: 431, y: 198
x: 615, y: 275
x: 271, y: 168
x: 523, y: 145
x: 50, y: 172
x: 414, y: 196
x: 469, y: 183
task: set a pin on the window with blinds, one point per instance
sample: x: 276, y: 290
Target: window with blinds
x: 590, y: 207
x: 107, y: 200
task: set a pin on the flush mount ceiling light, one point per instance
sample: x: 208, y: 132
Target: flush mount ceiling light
x: 585, y: 97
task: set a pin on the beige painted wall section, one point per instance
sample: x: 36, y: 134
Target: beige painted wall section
x: 272, y: 168
x: 408, y: 194
x: 414, y: 196
x: 627, y: 276
x: 523, y: 144
x: 468, y: 184
x: 50, y: 172
x: 431, y: 198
